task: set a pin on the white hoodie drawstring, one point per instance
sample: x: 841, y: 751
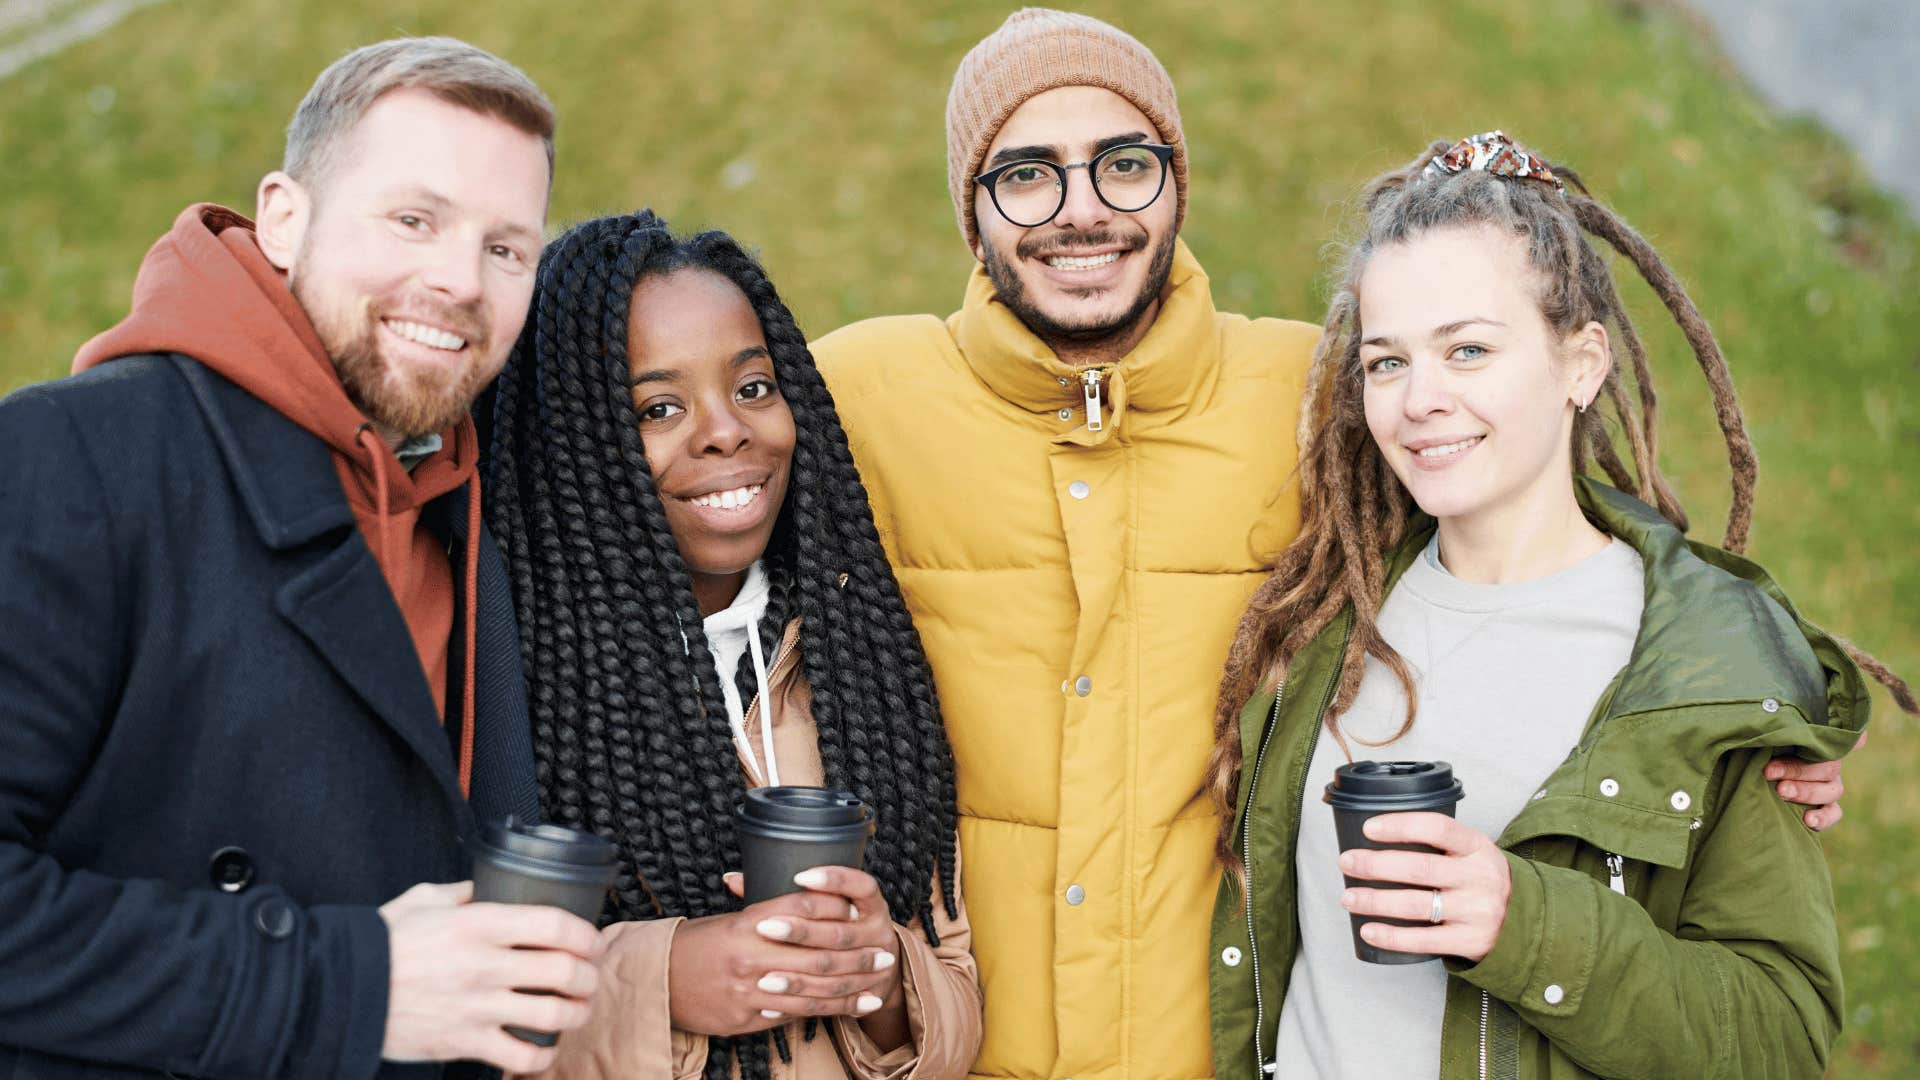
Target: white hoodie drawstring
x: 765, y: 697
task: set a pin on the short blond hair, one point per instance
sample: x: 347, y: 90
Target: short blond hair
x: 448, y: 68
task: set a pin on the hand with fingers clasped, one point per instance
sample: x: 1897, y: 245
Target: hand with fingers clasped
x: 1461, y: 889
x: 828, y: 950
x: 1812, y: 783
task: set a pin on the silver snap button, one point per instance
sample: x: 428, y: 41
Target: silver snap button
x: 1079, y: 489
x: 1554, y: 995
x: 1230, y: 956
x: 1066, y: 414
x: 1541, y: 794
x: 1075, y: 894
x: 1083, y: 686
x: 1063, y: 382
x: 1609, y: 787
x: 1770, y: 705
x: 1681, y: 800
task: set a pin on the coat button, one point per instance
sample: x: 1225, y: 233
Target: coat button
x: 1609, y: 787
x: 274, y: 919
x: 1066, y: 414
x: 1554, y: 995
x: 231, y: 869
x: 1079, y: 489
x: 1230, y: 956
x: 1075, y: 895
x: 1681, y: 800
x: 1083, y: 686
x: 1770, y: 705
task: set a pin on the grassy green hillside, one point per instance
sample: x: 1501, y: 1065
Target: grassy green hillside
x: 814, y: 131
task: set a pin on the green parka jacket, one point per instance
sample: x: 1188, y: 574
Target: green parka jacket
x: 1670, y: 915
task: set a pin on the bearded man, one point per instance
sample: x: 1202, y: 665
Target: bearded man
x: 1080, y: 477
x: 256, y: 650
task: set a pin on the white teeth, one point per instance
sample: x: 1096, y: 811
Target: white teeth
x: 1070, y: 262
x: 426, y: 335
x: 729, y: 500
x: 1450, y: 448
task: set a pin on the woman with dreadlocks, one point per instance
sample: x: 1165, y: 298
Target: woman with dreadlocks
x: 705, y: 606
x: 1621, y: 893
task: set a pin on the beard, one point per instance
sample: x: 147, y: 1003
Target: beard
x: 405, y: 399
x: 1012, y: 291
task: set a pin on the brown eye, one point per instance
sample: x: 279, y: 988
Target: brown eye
x: 659, y: 410
x: 758, y: 389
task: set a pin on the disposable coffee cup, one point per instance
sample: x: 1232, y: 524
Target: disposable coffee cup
x: 517, y: 863
x: 1365, y: 789
x: 784, y: 830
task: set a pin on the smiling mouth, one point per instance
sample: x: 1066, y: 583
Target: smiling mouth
x: 1082, y: 262
x: 1449, y: 449
x: 422, y: 334
x: 732, y: 499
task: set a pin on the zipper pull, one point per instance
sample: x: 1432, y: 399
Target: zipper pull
x: 1270, y: 1067
x: 1090, y: 382
x: 1617, y: 874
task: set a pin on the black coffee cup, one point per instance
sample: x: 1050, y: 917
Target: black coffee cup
x: 1365, y: 789
x: 517, y: 863
x: 784, y: 830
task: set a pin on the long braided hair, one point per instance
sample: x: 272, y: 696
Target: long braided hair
x: 630, y: 732
x: 1354, y: 510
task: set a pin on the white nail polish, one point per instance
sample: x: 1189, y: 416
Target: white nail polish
x: 867, y: 1004
x: 769, y: 1014
x: 777, y: 929
x: 811, y: 879
x: 774, y: 984
x: 882, y: 961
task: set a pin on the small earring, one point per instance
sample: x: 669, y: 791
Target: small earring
x: 1583, y: 408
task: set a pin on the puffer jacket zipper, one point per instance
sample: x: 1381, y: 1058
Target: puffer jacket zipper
x: 1246, y: 860
x: 1090, y: 386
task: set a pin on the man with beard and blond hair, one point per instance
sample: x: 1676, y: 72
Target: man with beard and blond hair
x: 1081, y: 476
x: 258, y: 670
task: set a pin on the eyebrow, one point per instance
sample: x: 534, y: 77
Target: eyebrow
x: 744, y: 356
x: 1041, y: 152
x: 1453, y: 327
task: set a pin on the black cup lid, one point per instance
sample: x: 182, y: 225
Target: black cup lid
x: 551, y: 843
x: 808, y: 806
x: 1395, y: 781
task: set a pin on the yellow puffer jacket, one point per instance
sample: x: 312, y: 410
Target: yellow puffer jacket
x: 1076, y: 585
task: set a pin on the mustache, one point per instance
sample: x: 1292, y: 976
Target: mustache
x: 1065, y: 243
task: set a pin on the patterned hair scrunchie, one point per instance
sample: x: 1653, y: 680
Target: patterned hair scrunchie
x: 1492, y: 152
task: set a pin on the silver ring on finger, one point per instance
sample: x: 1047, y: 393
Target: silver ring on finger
x: 1433, y: 913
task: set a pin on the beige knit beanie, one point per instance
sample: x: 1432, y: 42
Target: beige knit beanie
x: 1036, y: 50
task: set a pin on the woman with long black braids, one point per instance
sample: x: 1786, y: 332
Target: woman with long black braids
x: 705, y: 606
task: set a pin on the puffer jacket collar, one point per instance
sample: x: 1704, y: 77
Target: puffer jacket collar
x: 1173, y: 367
x: 1713, y: 670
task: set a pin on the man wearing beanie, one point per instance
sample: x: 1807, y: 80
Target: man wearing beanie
x: 256, y: 650
x: 1080, y: 477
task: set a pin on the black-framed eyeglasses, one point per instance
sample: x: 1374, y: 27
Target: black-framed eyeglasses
x: 1030, y: 193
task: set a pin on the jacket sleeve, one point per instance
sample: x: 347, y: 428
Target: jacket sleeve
x: 630, y: 1032
x: 944, y: 1006
x: 134, y: 972
x: 1748, y: 985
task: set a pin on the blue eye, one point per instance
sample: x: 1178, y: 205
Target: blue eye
x: 1385, y: 364
x: 1469, y: 352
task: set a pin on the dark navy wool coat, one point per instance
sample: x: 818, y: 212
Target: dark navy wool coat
x: 218, y: 754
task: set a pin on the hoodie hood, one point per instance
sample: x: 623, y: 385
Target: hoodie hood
x: 207, y: 291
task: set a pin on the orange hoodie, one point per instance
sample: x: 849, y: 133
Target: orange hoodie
x: 206, y: 291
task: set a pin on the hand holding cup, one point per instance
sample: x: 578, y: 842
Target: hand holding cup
x: 1467, y: 872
